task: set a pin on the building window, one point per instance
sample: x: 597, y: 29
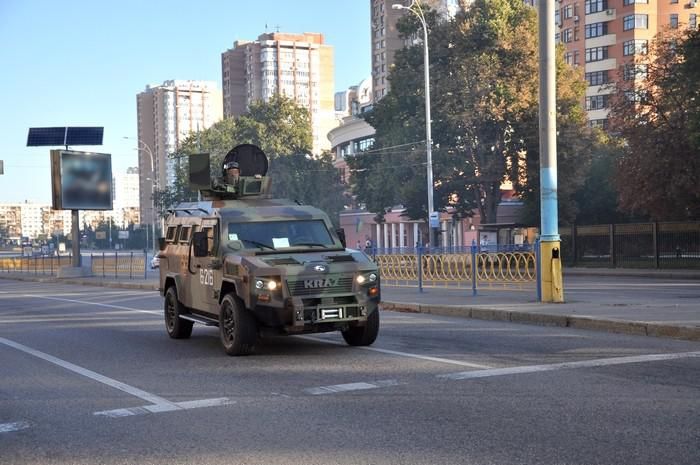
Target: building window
x: 567, y: 36
x: 596, y: 30
x: 597, y: 78
x: 633, y: 72
x: 594, y: 6
x: 632, y: 47
x: 639, y: 96
x: 693, y: 21
x: 568, y: 11
x: 596, y: 54
x: 596, y: 102
x: 632, y: 2
x: 674, y: 21
x: 635, y: 22
x: 598, y: 123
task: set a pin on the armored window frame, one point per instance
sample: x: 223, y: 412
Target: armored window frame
x: 171, y: 234
x: 185, y: 234
x: 212, y: 238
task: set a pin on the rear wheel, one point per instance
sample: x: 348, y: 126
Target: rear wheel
x: 237, y: 328
x: 177, y: 327
x: 363, y: 335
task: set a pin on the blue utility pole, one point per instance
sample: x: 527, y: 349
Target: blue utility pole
x: 550, y: 256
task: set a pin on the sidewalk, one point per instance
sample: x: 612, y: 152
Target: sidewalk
x: 640, y: 302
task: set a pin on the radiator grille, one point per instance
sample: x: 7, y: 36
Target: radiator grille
x: 320, y: 285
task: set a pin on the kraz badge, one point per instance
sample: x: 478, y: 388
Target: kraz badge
x: 319, y: 283
x: 320, y: 268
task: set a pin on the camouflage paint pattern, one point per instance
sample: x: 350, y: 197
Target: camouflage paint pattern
x: 317, y: 288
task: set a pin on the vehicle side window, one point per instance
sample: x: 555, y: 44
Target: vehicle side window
x: 185, y: 234
x: 171, y: 234
x: 211, y: 239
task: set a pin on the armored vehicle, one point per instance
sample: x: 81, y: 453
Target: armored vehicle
x: 253, y: 265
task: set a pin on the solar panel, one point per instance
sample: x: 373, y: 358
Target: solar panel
x: 40, y: 137
x: 84, y: 136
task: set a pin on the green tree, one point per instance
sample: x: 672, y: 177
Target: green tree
x: 659, y: 118
x: 484, y: 89
x: 282, y: 130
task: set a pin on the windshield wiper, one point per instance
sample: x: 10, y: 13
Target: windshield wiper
x: 310, y: 244
x: 259, y: 244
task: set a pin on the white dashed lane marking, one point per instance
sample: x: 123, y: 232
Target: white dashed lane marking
x: 16, y: 426
x: 350, y: 387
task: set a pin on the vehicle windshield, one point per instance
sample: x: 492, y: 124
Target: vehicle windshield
x: 275, y: 235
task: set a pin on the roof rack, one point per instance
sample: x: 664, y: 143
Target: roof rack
x: 189, y: 210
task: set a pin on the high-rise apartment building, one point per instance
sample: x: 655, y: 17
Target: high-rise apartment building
x: 604, y: 36
x: 167, y: 114
x: 125, y: 195
x: 385, y: 37
x: 32, y: 220
x: 298, y: 66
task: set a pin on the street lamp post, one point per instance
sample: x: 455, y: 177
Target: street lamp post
x: 416, y: 9
x: 154, y: 182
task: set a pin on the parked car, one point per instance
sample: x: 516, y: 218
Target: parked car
x: 155, y: 262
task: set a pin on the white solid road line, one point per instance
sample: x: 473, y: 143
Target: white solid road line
x: 85, y: 302
x: 16, y: 426
x: 350, y: 387
x: 158, y: 404
x: 87, y: 373
x: 567, y: 365
x: 401, y: 354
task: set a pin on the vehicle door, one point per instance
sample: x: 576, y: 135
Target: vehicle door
x: 202, y: 285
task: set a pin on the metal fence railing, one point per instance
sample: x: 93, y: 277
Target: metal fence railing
x: 47, y: 265
x: 131, y: 265
x: 506, y: 267
x: 637, y: 245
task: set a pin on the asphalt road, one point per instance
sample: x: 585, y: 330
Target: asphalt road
x: 88, y: 375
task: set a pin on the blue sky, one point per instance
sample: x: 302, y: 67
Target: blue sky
x: 81, y: 63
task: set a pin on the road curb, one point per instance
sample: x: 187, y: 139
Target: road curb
x: 637, y: 328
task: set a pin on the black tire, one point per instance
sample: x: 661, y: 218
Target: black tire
x: 363, y: 335
x: 237, y: 328
x: 177, y: 327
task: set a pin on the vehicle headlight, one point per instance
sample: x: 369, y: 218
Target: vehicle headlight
x: 366, y: 278
x: 268, y: 284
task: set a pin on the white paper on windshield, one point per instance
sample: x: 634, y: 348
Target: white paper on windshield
x: 279, y: 242
x: 232, y: 236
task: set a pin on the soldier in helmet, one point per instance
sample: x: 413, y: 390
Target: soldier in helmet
x: 230, y: 176
x: 231, y: 172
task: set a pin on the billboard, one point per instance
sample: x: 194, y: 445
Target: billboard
x: 81, y: 180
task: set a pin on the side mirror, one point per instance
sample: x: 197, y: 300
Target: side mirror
x: 199, y: 244
x: 161, y: 243
x: 341, y: 235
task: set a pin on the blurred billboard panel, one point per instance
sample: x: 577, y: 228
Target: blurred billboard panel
x: 81, y: 180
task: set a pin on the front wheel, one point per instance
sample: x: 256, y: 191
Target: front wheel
x: 177, y: 327
x: 237, y: 328
x: 363, y: 335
